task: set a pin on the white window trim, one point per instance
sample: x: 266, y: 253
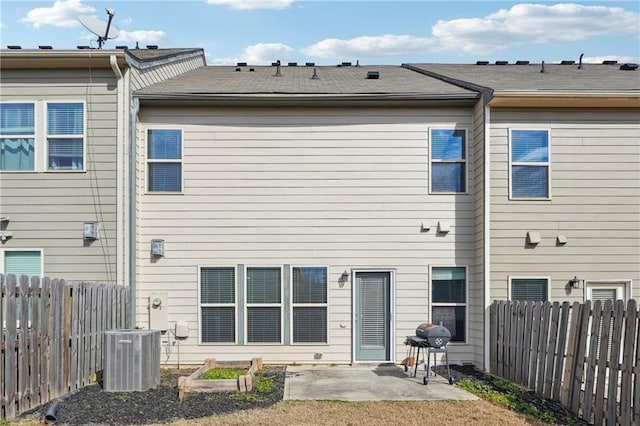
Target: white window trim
x: 465, y: 304
x: 3, y: 251
x: 307, y: 305
x: 147, y: 160
x: 464, y: 161
x: 234, y: 305
x: 539, y: 164
x: 45, y: 133
x: 248, y: 305
x: 611, y: 283
x: 36, y: 150
x: 528, y: 277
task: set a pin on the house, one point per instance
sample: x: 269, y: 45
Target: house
x: 65, y: 135
x: 319, y: 214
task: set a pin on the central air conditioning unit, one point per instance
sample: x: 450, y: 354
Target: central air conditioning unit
x: 131, y: 360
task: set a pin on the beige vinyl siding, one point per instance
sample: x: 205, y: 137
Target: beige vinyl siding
x: 162, y: 70
x: 595, y: 201
x: 337, y: 188
x: 47, y: 209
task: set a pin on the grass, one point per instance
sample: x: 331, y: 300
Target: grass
x: 506, y: 394
x: 223, y: 373
x: 263, y: 384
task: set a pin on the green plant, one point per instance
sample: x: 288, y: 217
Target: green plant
x: 506, y: 394
x: 223, y: 373
x: 121, y: 397
x: 263, y: 384
x: 4, y: 422
x: 244, y: 396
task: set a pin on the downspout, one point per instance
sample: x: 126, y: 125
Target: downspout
x: 135, y: 108
x: 120, y: 137
x: 487, y: 237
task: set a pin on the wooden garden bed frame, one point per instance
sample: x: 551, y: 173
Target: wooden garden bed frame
x: 243, y: 383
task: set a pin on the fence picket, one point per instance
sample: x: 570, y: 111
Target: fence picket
x: 582, y: 331
x: 627, y: 363
x: 534, y: 346
x: 546, y: 346
x: 596, y: 314
x: 43, y: 339
x: 614, y: 362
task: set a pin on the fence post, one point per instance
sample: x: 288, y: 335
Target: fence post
x: 10, y: 385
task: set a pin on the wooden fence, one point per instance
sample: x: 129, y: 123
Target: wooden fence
x: 586, y: 356
x: 52, y: 336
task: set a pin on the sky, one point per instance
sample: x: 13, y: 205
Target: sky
x: 329, y: 32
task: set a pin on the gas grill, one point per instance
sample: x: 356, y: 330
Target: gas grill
x: 432, y: 339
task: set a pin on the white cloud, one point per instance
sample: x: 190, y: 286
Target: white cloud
x: 257, y: 54
x: 519, y: 25
x: 63, y: 13
x: 533, y: 24
x: 253, y: 4
x: 385, y: 45
x: 142, y: 36
x: 127, y: 20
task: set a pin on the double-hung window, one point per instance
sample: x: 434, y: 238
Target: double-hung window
x: 218, y: 305
x: 448, y: 160
x: 529, y: 163
x: 65, y: 136
x: 264, y: 305
x: 530, y: 289
x: 164, y: 160
x: 17, y: 136
x: 310, y: 305
x: 449, y: 300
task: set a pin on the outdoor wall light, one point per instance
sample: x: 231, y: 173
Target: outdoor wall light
x: 574, y: 282
x: 157, y: 248
x: 345, y: 276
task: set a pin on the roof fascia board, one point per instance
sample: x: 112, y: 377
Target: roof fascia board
x: 60, y: 59
x: 564, y: 100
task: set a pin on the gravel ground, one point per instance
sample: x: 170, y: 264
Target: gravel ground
x: 92, y: 406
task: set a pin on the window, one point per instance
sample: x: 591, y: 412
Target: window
x: 529, y: 164
x: 17, y: 136
x: 65, y: 136
x: 164, y: 160
x: 448, y: 160
x: 309, y: 305
x: 22, y: 262
x: 449, y: 300
x: 534, y: 289
x: 218, y: 305
x: 264, y: 305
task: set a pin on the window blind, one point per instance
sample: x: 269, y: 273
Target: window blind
x: 17, y: 119
x: 263, y: 325
x: 217, y: 285
x: 529, y: 146
x: 65, y: 119
x: 309, y: 285
x: 218, y: 324
x: 263, y: 285
x: 164, y: 144
x: 534, y: 289
x: 447, y: 144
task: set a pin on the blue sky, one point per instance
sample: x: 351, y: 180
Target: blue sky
x: 329, y: 32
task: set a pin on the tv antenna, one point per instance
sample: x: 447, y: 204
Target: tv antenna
x: 104, y: 30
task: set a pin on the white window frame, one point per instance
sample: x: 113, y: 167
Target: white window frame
x: 449, y: 304
x: 519, y: 277
x: 546, y: 164
x: 308, y: 305
x: 218, y: 305
x: 248, y: 305
x: 464, y: 160
x: 46, y: 136
x: 168, y: 161
x: 622, y: 286
x: 36, y: 151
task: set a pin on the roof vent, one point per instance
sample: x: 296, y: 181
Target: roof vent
x: 45, y: 47
x: 629, y: 67
x: 14, y: 47
x: 482, y: 62
x: 273, y: 64
x: 502, y: 62
x: 609, y: 62
x: 238, y: 69
x: 241, y: 64
x: 122, y: 47
x: 292, y: 64
x: 567, y: 63
x: 252, y: 69
x: 83, y: 47
x: 152, y: 46
x: 522, y: 62
x: 315, y: 74
x: 373, y: 75
x: 310, y: 64
x: 346, y: 64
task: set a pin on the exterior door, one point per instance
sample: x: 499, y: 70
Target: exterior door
x: 372, y: 316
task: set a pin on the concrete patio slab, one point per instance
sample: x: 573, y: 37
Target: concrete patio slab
x: 366, y: 383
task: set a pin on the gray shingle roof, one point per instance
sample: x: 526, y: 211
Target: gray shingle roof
x: 155, y: 54
x: 297, y: 80
x: 556, y: 78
